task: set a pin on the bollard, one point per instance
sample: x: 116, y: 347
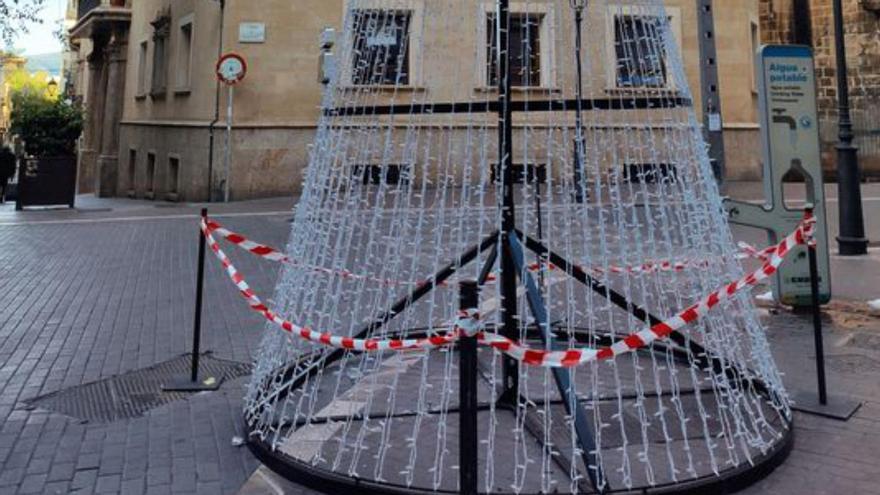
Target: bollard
x: 469, y: 299
x: 192, y: 383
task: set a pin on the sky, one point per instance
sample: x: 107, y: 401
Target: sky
x: 41, y: 39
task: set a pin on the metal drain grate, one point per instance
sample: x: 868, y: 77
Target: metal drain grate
x: 134, y: 393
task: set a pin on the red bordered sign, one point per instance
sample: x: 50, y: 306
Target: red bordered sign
x: 231, y: 68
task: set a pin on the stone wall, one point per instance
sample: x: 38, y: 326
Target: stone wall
x: 780, y: 23
x: 168, y: 161
x: 277, y: 106
x: 776, y: 21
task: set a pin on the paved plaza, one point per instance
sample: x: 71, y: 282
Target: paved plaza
x: 108, y: 288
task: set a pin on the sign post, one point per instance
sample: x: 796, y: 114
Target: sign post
x: 227, y: 159
x: 790, y: 137
x: 231, y: 69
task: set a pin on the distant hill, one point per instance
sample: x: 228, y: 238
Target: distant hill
x: 47, y: 62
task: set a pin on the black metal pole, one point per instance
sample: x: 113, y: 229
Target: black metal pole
x: 200, y: 282
x: 509, y: 311
x: 467, y: 394
x: 541, y: 261
x: 295, y: 376
x: 817, y: 323
x: 710, y: 87
x: 579, y: 195
x: 191, y: 382
x: 852, y: 240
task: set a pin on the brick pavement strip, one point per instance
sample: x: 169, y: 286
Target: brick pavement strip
x: 89, y: 300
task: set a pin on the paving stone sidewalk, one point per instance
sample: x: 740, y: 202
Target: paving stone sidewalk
x: 829, y: 457
x: 92, y: 299
x: 91, y: 294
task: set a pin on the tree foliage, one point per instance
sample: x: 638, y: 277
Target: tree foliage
x: 22, y: 83
x: 48, y: 125
x: 15, y: 15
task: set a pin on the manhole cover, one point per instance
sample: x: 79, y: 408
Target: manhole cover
x: 134, y: 393
x: 852, y: 363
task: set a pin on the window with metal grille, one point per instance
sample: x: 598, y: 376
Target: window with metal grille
x: 151, y: 174
x: 380, y: 55
x: 381, y: 174
x: 522, y: 173
x: 185, y: 54
x: 141, y: 89
x: 173, y: 174
x: 525, y: 50
x: 650, y: 173
x: 132, y: 169
x: 161, y: 33
x: 640, y: 51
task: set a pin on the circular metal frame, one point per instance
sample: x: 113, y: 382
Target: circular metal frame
x: 297, y: 471
x: 331, y: 483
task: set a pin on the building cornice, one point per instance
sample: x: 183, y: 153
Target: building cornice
x: 219, y: 125
x: 204, y: 124
x: 103, y: 15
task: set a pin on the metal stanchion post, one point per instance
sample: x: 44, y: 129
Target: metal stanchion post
x: 467, y: 349
x: 817, y: 324
x: 192, y: 383
x: 841, y: 408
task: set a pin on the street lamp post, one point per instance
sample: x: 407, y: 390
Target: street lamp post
x: 52, y: 88
x: 578, y: 6
x: 851, y: 241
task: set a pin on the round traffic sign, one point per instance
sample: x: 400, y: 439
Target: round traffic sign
x: 231, y: 68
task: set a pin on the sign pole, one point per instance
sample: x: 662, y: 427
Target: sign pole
x: 228, y: 157
x: 231, y: 70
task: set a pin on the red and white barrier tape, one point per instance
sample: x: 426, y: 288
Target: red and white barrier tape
x: 243, y: 242
x: 328, y: 339
x: 747, y: 251
x: 468, y: 324
x: 576, y: 357
x: 272, y: 254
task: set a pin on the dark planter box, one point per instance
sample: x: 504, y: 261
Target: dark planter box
x: 46, y: 181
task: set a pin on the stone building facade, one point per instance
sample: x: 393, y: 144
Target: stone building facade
x: 810, y: 22
x: 100, y: 36
x: 154, y: 82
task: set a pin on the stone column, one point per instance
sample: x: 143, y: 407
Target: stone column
x: 94, y: 103
x: 108, y: 160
